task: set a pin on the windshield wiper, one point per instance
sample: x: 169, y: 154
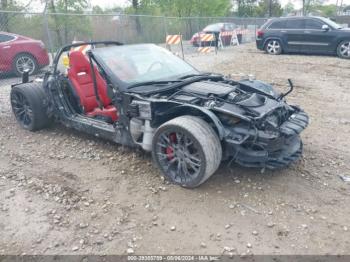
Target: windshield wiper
x: 201, y: 75
x: 163, y: 82
x: 194, y: 75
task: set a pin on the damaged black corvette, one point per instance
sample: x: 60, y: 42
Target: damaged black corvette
x: 144, y: 96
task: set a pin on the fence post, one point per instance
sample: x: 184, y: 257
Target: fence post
x: 255, y: 24
x: 182, y: 47
x: 46, y: 25
x: 165, y: 26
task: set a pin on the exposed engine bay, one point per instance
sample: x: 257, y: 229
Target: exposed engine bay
x: 257, y: 121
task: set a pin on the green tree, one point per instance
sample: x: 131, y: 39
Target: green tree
x: 327, y: 10
x: 269, y: 8
x: 6, y: 18
x: 288, y: 8
x: 96, y: 9
x: 245, y: 7
x: 180, y: 8
x: 69, y: 25
x: 311, y: 5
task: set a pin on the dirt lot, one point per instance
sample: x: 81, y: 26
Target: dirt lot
x: 62, y: 192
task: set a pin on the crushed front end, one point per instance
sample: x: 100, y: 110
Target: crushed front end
x: 261, y: 129
x: 252, y: 146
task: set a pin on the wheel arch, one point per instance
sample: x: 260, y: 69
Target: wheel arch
x: 181, y: 110
x: 274, y: 38
x: 339, y: 40
x: 24, y: 53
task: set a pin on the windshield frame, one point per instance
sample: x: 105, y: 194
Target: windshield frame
x: 123, y: 85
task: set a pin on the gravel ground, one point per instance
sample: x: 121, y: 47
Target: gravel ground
x: 62, y: 192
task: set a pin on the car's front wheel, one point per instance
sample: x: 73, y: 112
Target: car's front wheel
x: 27, y: 102
x: 187, y: 150
x: 25, y: 62
x: 273, y: 47
x: 343, y: 50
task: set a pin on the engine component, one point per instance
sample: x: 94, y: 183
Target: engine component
x: 142, y: 133
x: 258, y: 87
x: 136, y: 126
x: 207, y: 88
x: 144, y: 109
x: 147, y: 136
x: 186, y: 99
x: 210, y: 104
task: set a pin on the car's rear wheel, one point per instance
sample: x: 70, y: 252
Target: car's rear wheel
x: 343, y: 50
x: 25, y: 62
x: 28, y: 106
x: 273, y: 47
x: 187, y: 150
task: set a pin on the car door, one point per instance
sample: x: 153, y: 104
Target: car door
x: 294, y: 34
x: 5, y: 53
x: 316, y: 39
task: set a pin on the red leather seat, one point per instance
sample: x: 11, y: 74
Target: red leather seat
x: 80, y: 75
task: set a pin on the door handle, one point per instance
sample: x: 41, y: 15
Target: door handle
x: 6, y: 47
x: 307, y: 32
x: 283, y: 31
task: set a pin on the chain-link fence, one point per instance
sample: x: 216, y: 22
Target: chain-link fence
x: 63, y: 28
x: 56, y: 30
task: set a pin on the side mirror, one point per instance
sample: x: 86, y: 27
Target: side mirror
x: 325, y: 27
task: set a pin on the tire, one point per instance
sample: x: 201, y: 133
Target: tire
x: 28, y: 106
x: 187, y: 151
x: 343, y: 49
x: 25, y: 61
x: 273, y: 47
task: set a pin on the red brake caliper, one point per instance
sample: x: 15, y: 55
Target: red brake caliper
x: 170, y: 150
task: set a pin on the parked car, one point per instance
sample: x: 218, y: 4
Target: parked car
x: 215, y: 29
x: 144, y: 96
x: 19, y: 53
x: 313, y: 35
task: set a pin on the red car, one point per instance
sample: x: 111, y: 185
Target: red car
x: 214, y: 29
x: 19, y: 53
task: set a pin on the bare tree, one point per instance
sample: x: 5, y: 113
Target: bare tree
x: 4, y: 20
x: 52, y: 7
x: 136, y: 7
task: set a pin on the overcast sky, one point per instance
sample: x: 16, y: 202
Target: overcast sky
x: 37, y: 6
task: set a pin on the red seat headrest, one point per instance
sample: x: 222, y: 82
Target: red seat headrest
x: 79, y: 62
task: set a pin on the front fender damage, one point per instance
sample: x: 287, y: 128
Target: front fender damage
x: 248, y: 146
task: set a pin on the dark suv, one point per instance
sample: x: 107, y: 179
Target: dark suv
x: 304, y: 35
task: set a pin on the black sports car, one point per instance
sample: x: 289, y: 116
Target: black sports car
x: 144, y: 96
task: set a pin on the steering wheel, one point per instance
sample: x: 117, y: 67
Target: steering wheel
x: 153, y: 64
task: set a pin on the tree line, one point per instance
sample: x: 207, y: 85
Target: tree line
x: 186, y: 16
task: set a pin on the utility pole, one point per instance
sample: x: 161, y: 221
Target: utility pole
x: 270, y: 8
